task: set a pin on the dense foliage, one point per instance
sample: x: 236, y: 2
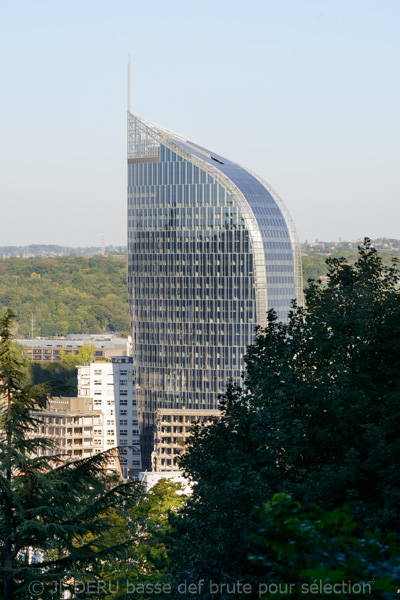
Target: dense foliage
x: 65, y: 295
x: 62, y: 372
x: 145, y: 529
x: 317, y: 418
x: 315, y: 552
x: 55, y: 372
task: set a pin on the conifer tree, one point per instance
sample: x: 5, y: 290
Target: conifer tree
x: 49, y: 507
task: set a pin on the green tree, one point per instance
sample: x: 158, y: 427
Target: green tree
x: 313, y: 550
x: 316, y: 417
x: 41, y: 372
x: 54, y: 508
x: 145, y: 561
x: 85, y: 354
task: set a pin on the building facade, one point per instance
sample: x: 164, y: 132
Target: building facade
x: 51, y: 349
x: 76, y: 429
x: 172, y: 428
x: 112, y: 387
x: 211, y: 248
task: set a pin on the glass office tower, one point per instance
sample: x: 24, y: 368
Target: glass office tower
x: 211, y: 248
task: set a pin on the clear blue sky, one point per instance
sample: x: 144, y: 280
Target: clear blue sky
x: 305, y: 93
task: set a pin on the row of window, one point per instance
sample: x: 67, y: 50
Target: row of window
x: 195, y: 260
x: 122, y: 401
x: 191, y: 209
x: 186, y: 341
x: 190, y: 288
x: 189, y: 242
x: 199, y: 316
x: 188, y: 382
x: 165, y: 174
x: 169, y: 269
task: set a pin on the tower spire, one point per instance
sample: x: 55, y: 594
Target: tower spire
x: 129, y: 83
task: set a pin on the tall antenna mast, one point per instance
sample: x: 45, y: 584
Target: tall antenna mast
x: 129, y: 84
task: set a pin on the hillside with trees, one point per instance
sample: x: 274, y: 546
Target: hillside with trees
x: 52, y: 250
x: 65, y: 295
x: 314, y: 265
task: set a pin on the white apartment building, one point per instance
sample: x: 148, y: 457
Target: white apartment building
x: 112, y: 387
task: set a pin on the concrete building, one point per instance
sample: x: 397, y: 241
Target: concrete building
x: 211, y: 248
x: 112, y: 387
x: 76, y: 428
x: 49, y: 349
x: 172, y: 428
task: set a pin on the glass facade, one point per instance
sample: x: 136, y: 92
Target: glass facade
x: 210, y: 249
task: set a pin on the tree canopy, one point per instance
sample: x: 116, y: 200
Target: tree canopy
x: 85, y: 354
x: 316, y: 417
x: 65, y: 295
x: 313, y: 550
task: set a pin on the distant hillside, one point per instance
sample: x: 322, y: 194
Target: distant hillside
x: 50, y: 251
x: 314, y: 265
x: 65, y: 295
x: 381, y: 244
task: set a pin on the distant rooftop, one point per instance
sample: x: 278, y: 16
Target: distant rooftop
x: 98, y: 341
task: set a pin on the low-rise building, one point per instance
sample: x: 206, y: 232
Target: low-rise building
x: 76, y: 428
x: 172, y: 428
x: 50, y: 349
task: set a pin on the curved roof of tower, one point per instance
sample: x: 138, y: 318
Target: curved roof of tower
x: 275, y: 223
x: 244, y: 181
